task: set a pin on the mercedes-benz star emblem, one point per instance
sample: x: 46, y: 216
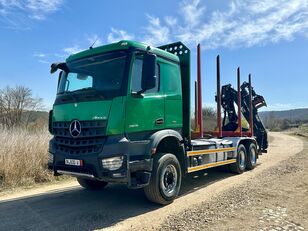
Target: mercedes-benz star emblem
x: 75, y: 128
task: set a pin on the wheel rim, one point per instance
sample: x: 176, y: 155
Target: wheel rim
x: 242, y: 159
x: 168, y: 180
x: 253, y: 156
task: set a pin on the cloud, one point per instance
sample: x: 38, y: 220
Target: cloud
x: 82, y: 44
x: 271, y: 22
x: 170, y: 21
x: 116, y: 35
x: 40, y: 8
x: 16, y: 14
x: 192, y: 12
x: 43, y: 61
x: 248, y: 23
x: 72, y: 50
x: 39, y: 55
x: 243, y: 23
x: 268, y: 24
x: 42, y: 57
x: 155, y: 32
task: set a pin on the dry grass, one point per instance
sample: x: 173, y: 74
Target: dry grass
x: 300, y: 131
x: 23, y: 157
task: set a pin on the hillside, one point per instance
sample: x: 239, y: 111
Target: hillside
x: 292, y: 115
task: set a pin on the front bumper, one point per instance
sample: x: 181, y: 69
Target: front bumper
x: 135, y: 170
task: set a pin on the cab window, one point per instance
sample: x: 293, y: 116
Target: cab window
x: 137, y: 75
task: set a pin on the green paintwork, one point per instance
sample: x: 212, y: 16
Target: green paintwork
x: 121, y: 45
x: 111, y: 110
x: 130, y: 114
x: 141, y: 112
x: 185, y: 80
x: 116, y: 118
x: 170, y: 74
x: 82, y: 111
x: 166, y: 104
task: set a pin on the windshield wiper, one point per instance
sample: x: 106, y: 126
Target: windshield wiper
x: 91, y: 92
x: 82, y: 89
x: 64, y: 96
x: 69, y: 92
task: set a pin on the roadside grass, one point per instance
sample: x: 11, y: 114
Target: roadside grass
x: 23, y: 157
x: 300, y: 131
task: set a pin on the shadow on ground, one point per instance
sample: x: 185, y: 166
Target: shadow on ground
x: 78, y: 209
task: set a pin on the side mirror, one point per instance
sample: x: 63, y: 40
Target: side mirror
x: 55, y: 66
x: 148, y: 80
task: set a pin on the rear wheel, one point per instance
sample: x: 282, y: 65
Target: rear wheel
x: 240, y: 164
x: 252, y: 156
x: 92, y: 184
x: 166, y: 179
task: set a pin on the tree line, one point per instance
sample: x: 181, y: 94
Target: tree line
x: 17, y: 105
x: 274, y: 123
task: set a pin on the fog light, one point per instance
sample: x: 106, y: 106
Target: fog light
x: 50, y: 158
x: 113, y: 163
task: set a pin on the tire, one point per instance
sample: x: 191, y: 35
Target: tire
x: 92, y: 184
x: 240, y: 165
x: 166, y: 178
x: 252, y: 156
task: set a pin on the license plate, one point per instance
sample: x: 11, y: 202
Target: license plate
x: 74, y: 162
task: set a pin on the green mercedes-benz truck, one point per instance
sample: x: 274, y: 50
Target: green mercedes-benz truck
x: 122, y: 114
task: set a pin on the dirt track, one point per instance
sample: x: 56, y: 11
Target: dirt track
x: 67, y: 206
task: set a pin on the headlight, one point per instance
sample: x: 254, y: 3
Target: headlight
x: 113, y: 163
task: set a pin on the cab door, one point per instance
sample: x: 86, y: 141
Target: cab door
x: 144, y: 111
x: 171, y: 77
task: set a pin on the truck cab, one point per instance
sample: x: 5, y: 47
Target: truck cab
x: 114, y: 105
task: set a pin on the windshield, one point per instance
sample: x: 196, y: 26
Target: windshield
x: 102, y: 73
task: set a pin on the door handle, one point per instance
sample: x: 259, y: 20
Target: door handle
x: 159, y: 121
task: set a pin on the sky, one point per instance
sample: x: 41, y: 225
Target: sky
x: 267, y: 38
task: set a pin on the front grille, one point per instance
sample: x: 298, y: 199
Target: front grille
x: 88, y: 128
x: 90, y: 140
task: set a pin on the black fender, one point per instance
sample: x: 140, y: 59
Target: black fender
x: 158, y: 137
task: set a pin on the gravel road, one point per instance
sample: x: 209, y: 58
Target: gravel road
x: 272, y: 196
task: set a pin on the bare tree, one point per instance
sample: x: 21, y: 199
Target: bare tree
x: 14, y: 102
x: 209, y: 118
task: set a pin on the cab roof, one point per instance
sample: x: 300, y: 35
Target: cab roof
x: 122, y: 45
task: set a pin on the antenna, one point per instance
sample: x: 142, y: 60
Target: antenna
x: 91, y: 47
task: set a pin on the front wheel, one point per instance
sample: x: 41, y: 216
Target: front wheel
x: 92, y: 184
x: 166, y: 179
x: 240, y: 164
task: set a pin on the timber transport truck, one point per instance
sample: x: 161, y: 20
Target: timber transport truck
x: 122, y: 114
